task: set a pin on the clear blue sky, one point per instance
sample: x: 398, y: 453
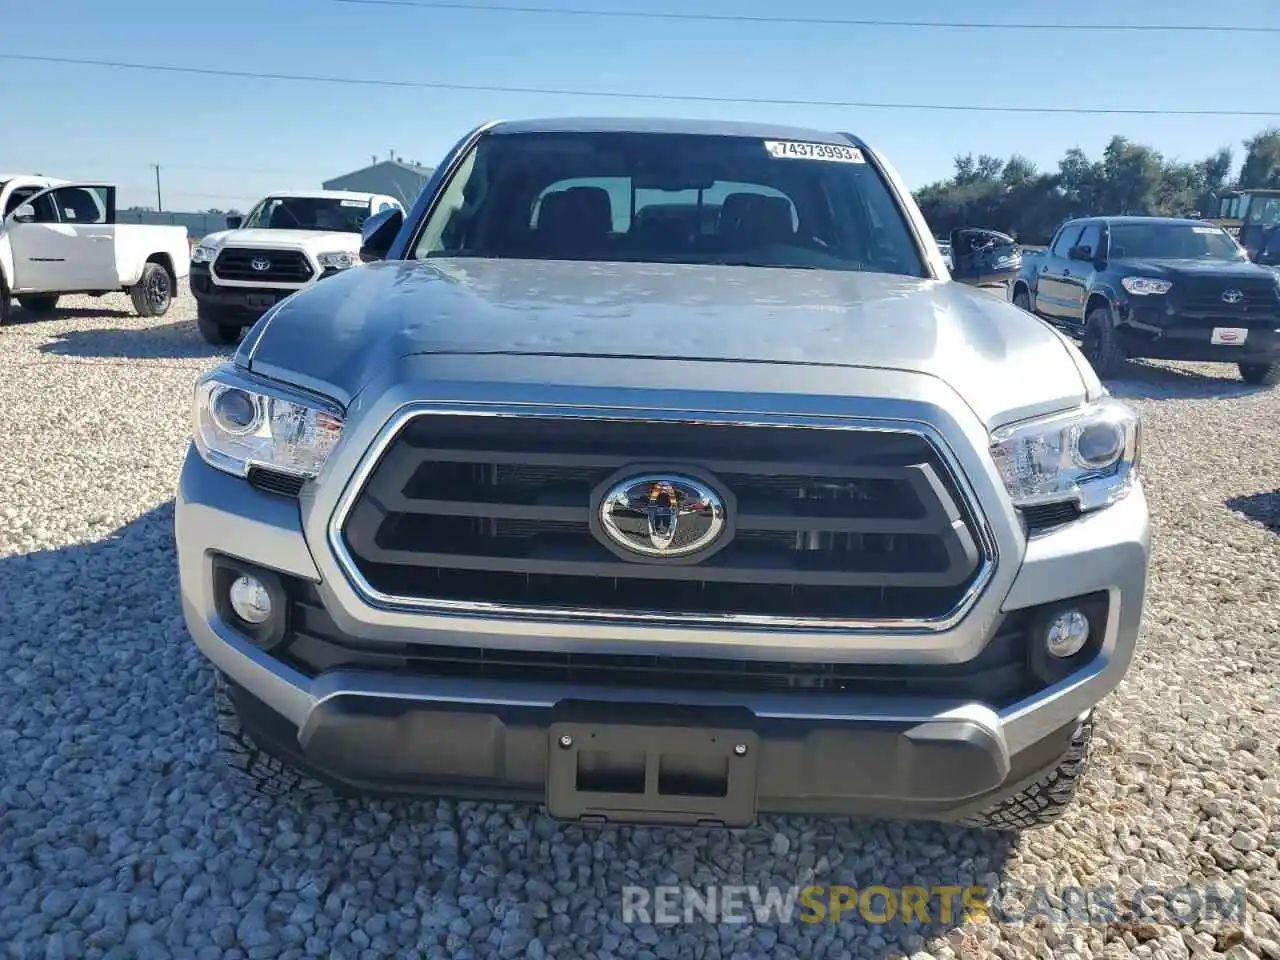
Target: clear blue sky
x: 224, y: 141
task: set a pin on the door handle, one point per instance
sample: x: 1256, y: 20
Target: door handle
x: 1044, y: 269
x: 98, y: 236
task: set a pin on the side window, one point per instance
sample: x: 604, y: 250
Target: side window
x: 442, y: 233
x: 1066, y: 240
x: 1091, y: 238
x: 19, y: 196
x: 78, y: 205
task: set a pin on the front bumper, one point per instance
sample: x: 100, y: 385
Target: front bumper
x: 867, y: 754
x: 243, y: 302
x: 1153, y: 334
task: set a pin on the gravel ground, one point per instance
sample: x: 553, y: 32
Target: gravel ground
x: 119, y: 838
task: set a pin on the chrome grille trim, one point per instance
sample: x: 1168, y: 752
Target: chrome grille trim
x: 391, y: 429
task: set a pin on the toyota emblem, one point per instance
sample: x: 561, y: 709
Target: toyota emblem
x: 261, y: 264
x: 662, y: 516
x: 1232, y: 296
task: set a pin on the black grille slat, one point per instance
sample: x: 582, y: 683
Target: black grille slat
x: 1204, y: 297
x: 287, y: 266
x: 829, y: 524
x: 272, y: 481
x: 997, y: 675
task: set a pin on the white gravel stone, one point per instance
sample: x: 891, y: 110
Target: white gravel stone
x: 118, y: 837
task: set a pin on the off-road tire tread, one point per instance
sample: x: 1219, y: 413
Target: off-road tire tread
x: 138, y: 293
x: 1260, y: 374
x: 251, y: 765
x: 1109, y: 360
x: 40, y: 304
x: 1043, y: 802
x: 214, y: 332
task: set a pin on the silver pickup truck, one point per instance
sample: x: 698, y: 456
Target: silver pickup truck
x: 659, y: 472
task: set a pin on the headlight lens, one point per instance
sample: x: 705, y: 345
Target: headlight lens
x: 338, y: 260
x: 202, y: 254
x: 1145, y: 286
x: 242, y: 422
x: 1089, y: 455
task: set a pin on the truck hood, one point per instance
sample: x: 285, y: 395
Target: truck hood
x: 317, y: 241
x: 1001, y: 361
x: 1172, y: 268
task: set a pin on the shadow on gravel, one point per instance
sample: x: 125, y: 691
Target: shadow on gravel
x: 20, y: 314
x: 119, y: 826
x: 1144, y: 381
x: 1263, y: 508
x: 175, y: 340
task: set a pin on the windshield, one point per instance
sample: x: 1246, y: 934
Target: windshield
x: 308, y: 213
x: 670, y: 198
x: 1264, y: 210
x: 1172, y: 241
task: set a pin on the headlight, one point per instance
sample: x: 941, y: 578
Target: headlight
x: 202, y: 254
x: 338, y: 260
x: 241, y: 421
x: 1145, y: 286
x: 1089, y: 455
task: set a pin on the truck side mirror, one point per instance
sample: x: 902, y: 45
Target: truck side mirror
x: 25, y: 213
x: 233, y: 223
x: 379, y: 233
x: 1084, y: 253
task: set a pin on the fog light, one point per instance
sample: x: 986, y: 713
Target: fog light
x: 1067, y: 634
x: 250, y: 600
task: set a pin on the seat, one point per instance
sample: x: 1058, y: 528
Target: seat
x: 578, y: 220
x: 661, y: 232
x: 749, y: 220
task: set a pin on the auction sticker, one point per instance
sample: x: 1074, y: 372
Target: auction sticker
x: 813, y: 151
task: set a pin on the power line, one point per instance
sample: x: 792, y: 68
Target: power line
x: 620, y: 95
x: 814, y: 21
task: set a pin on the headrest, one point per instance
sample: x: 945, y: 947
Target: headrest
x: 580, y: 211
x: 756, y: 219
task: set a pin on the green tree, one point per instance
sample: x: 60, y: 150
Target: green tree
x: 1129, y: 178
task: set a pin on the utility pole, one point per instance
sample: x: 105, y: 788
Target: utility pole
x: 159, y: 203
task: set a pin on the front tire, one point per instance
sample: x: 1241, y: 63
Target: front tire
x: 254, y: 768
x: 40, y: 304
x: 213, y: 327
x: 1100, y: 344
x: 1260, y: 374
x: 153, y: 293
x: 1043, y: 802
x: 1022, y: 299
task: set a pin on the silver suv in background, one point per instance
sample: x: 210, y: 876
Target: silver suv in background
x: 659, y: 473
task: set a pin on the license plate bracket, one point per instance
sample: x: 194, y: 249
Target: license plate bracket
x: 260, y: 300
x: 652, y: 774
x: 1229, y: 336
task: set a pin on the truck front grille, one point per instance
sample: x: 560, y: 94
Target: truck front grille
x: 1204, y: 297
x: 283, y: 266
x: 830, y: 524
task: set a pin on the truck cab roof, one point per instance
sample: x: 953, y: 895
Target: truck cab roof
x: 669, y: 125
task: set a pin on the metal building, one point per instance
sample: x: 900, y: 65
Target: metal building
x: 394, y: 177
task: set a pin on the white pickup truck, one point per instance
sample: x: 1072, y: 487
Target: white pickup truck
x: 58, y: 237
x: 289, y: 241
